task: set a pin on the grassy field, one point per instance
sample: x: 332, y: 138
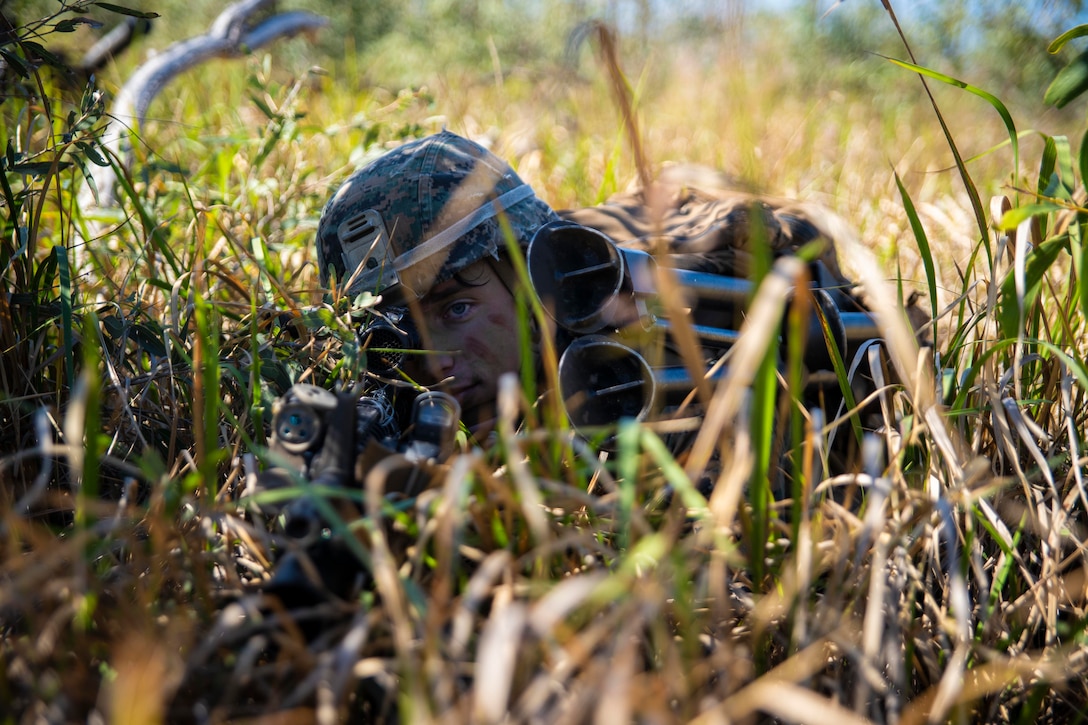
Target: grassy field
x: 938, y: 576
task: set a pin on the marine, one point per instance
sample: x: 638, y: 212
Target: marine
x: 424, y: 227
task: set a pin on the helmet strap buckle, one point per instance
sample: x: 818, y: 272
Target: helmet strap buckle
x: 365, y: 248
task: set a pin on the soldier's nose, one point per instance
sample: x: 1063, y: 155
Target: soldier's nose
x: 442, y: 364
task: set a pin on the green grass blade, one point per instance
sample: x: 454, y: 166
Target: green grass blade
x: 1015, y: 300
x: 91, y: 431
x: 923, y: 245
x: 968, y: 182
x: 1067, y: 180
x: 65, y: 274
x: 993, y: 100
x: 1015, y: 217
x: 627, y: 461
x: 1073, y: 33
x: 1070, y: 82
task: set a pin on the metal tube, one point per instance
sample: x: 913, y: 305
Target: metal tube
x: 579, y: 275
x: 603, y: 381
x: 859, y: 327
x: 642, y: 270
x: 589, y: 285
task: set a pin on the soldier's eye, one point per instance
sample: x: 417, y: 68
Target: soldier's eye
x: 458, y: 309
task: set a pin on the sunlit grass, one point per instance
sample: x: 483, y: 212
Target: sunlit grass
x: 940, y: 574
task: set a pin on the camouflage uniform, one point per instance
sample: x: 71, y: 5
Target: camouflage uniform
x: 706, y: 225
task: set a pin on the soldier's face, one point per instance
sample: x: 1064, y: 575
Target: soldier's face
x: 471, y: 324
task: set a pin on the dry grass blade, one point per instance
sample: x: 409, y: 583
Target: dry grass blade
x: 551, y: 610
x: 1074, y: 445
x: 496, y: 660
x: 532, y: 505
x: 479, y: 588
x: 929, y: 565
x: 621, y: 93
x: 617, y: 699
x: 778, y: 693
x: 147, y: 674
x: 745, y: 357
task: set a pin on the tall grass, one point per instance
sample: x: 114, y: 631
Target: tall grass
x: 938, y: 576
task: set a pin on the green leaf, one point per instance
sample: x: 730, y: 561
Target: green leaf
x: 14, y: 204
x: 968, y: 182
x: 262, y: 106
x: 993, y: 100
x: 923, y: 245
x: 1082, y: 276
x: 92, y: 153
x: 1038, y: 262
x: 91, y: 184
x: 45, y: 276
x: 72, y: 24
x: 37, y: 168
x: 114, y: 326
x: 1070, y: 82
x: 274, y: 371
x: 1058, y: 43
x: 126, y: 11
x: 1065, y: 168
x: 15, y: 63
x: 1082, y: 157
x: 46, y: 55
x: 1015, y: 217
x: 149, y: 339
x: 67, y: 322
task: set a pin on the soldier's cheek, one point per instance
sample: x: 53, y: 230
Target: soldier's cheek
x: 500, y: 321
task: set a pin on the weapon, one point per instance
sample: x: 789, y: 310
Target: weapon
x: 332, y: 441
x: 598, y: 292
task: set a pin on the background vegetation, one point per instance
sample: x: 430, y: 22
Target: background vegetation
x: 540, y: 582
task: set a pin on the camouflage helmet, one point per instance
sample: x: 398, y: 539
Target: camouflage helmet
x: 420, y: 214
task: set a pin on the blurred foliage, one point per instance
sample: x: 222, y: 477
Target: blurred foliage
x: 974, y: 35
x: 400, y: 43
